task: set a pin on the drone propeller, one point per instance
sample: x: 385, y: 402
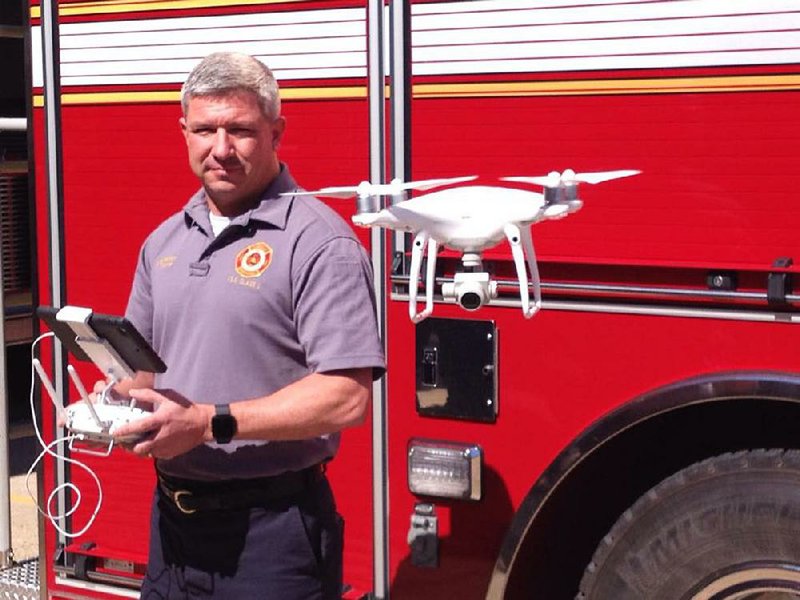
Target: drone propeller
x: 570, y: 177
x: 393, y: 188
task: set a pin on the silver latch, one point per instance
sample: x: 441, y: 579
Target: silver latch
x: 423, y: 536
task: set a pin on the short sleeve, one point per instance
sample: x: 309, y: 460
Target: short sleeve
x: 335, y: 313
x: 140, y: 302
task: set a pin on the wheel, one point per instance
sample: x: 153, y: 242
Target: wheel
x: 726, y: 528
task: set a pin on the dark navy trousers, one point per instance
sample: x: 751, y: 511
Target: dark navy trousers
x: 290, y: 549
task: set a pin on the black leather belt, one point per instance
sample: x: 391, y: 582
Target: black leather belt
x: 190, y: 496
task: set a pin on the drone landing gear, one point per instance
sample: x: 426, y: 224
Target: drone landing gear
x: 421, y: 241
x: 474, y: 288
x: 522, y: 247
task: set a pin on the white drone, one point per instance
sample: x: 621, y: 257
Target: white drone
x: 469, y: 219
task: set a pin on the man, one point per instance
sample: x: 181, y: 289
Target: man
x: 261, y: 306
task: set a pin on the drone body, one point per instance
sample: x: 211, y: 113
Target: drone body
x: 470, y: 219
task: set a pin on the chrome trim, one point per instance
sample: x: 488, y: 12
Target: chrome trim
x: 55, y: 201
x: 697, y: 390
x: 636, y: 290
x: 12, y: 123
x: 643, y: 309
x: 108, y: 584
x: 377, y: 165
x: 400, y: 71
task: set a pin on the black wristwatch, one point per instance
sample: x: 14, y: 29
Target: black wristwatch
x: 223, y: 424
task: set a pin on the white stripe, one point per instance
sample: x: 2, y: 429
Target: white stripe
x: 613, y: 62
x: 281, y: 75
x: 488, y: 5
x: 605, y: 48
x: 180, y: 36
x: 533, y: 13
x: 268, y: 48
x: 660, y: 28
x: 301, y: 44
x: 347, y: 59
x: 483, y: 36
x: 222, y: 21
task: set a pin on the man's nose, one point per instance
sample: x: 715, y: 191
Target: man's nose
x: 222, y: 148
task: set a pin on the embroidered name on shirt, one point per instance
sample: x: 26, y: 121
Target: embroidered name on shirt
x: 166, y: 261
x: 253, y: 260
x: 251, y: 283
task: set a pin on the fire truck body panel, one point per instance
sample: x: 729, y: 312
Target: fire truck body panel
x: 667, y: 334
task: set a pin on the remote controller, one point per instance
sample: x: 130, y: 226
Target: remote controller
x: 81, y: 421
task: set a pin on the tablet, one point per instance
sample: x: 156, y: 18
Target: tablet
x: 118, y: 331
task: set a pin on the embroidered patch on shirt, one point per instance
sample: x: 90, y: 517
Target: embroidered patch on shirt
x: 253, y: 260
x: 166, y: 261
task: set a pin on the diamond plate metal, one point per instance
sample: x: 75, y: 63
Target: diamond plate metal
x: 21, y: 581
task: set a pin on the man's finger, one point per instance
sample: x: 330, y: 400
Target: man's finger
x: 147, y: 395
x: 143, y: 449
x: 136, y: 428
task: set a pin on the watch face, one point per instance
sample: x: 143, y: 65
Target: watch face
x: 223, y: 428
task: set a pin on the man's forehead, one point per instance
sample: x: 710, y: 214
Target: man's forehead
x: 223, y: 103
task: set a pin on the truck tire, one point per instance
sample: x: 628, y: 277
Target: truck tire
x: 724, y: 528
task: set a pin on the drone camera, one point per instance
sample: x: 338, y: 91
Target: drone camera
x: 470, y: 290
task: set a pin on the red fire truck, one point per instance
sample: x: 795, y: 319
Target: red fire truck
x: 638, y: 437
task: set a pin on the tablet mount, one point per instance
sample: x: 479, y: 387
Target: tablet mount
x: 118, y: 350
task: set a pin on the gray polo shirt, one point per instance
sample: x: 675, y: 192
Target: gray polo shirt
x: 284, y: 291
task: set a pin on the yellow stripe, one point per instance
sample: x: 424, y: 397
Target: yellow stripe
x: 21, y: 499
x: 121, y: 6
x: 743, y: 83
x: 609, y: 86
x: 314, y: 93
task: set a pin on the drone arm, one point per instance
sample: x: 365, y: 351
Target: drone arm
x: 521, y: 244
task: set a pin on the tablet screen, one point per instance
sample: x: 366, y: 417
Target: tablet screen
x: 118, y: 331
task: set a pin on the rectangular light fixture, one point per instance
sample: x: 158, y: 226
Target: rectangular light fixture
x: 444, y: 469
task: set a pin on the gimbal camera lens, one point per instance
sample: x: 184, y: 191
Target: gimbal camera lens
x: 470, y: 300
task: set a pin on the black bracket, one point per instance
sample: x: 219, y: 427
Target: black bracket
x: 779, y: 285
x: 84, y: 562
x: 722, y: 281
x: 399, y: 263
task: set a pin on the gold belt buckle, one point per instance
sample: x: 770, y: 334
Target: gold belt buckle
x: 176, y: 498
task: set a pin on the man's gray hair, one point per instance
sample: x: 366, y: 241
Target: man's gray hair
x: 225, y: 72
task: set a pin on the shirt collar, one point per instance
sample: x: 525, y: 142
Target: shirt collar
x: 273, y: 208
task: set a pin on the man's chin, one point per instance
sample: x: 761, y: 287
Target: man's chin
x: 227, y: 196
x: 220, y: 187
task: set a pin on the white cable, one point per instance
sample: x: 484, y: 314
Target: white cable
x: 54, y: 518
x: 47, y: 449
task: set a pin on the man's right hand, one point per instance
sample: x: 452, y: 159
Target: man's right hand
x: 176, y: 426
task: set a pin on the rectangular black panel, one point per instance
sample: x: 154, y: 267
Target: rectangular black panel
x: 457, y: 369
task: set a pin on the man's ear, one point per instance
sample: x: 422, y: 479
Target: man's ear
x: 278, y: 127
x: 182, y: 123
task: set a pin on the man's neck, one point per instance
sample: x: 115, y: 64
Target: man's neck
x: 231, y: 208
